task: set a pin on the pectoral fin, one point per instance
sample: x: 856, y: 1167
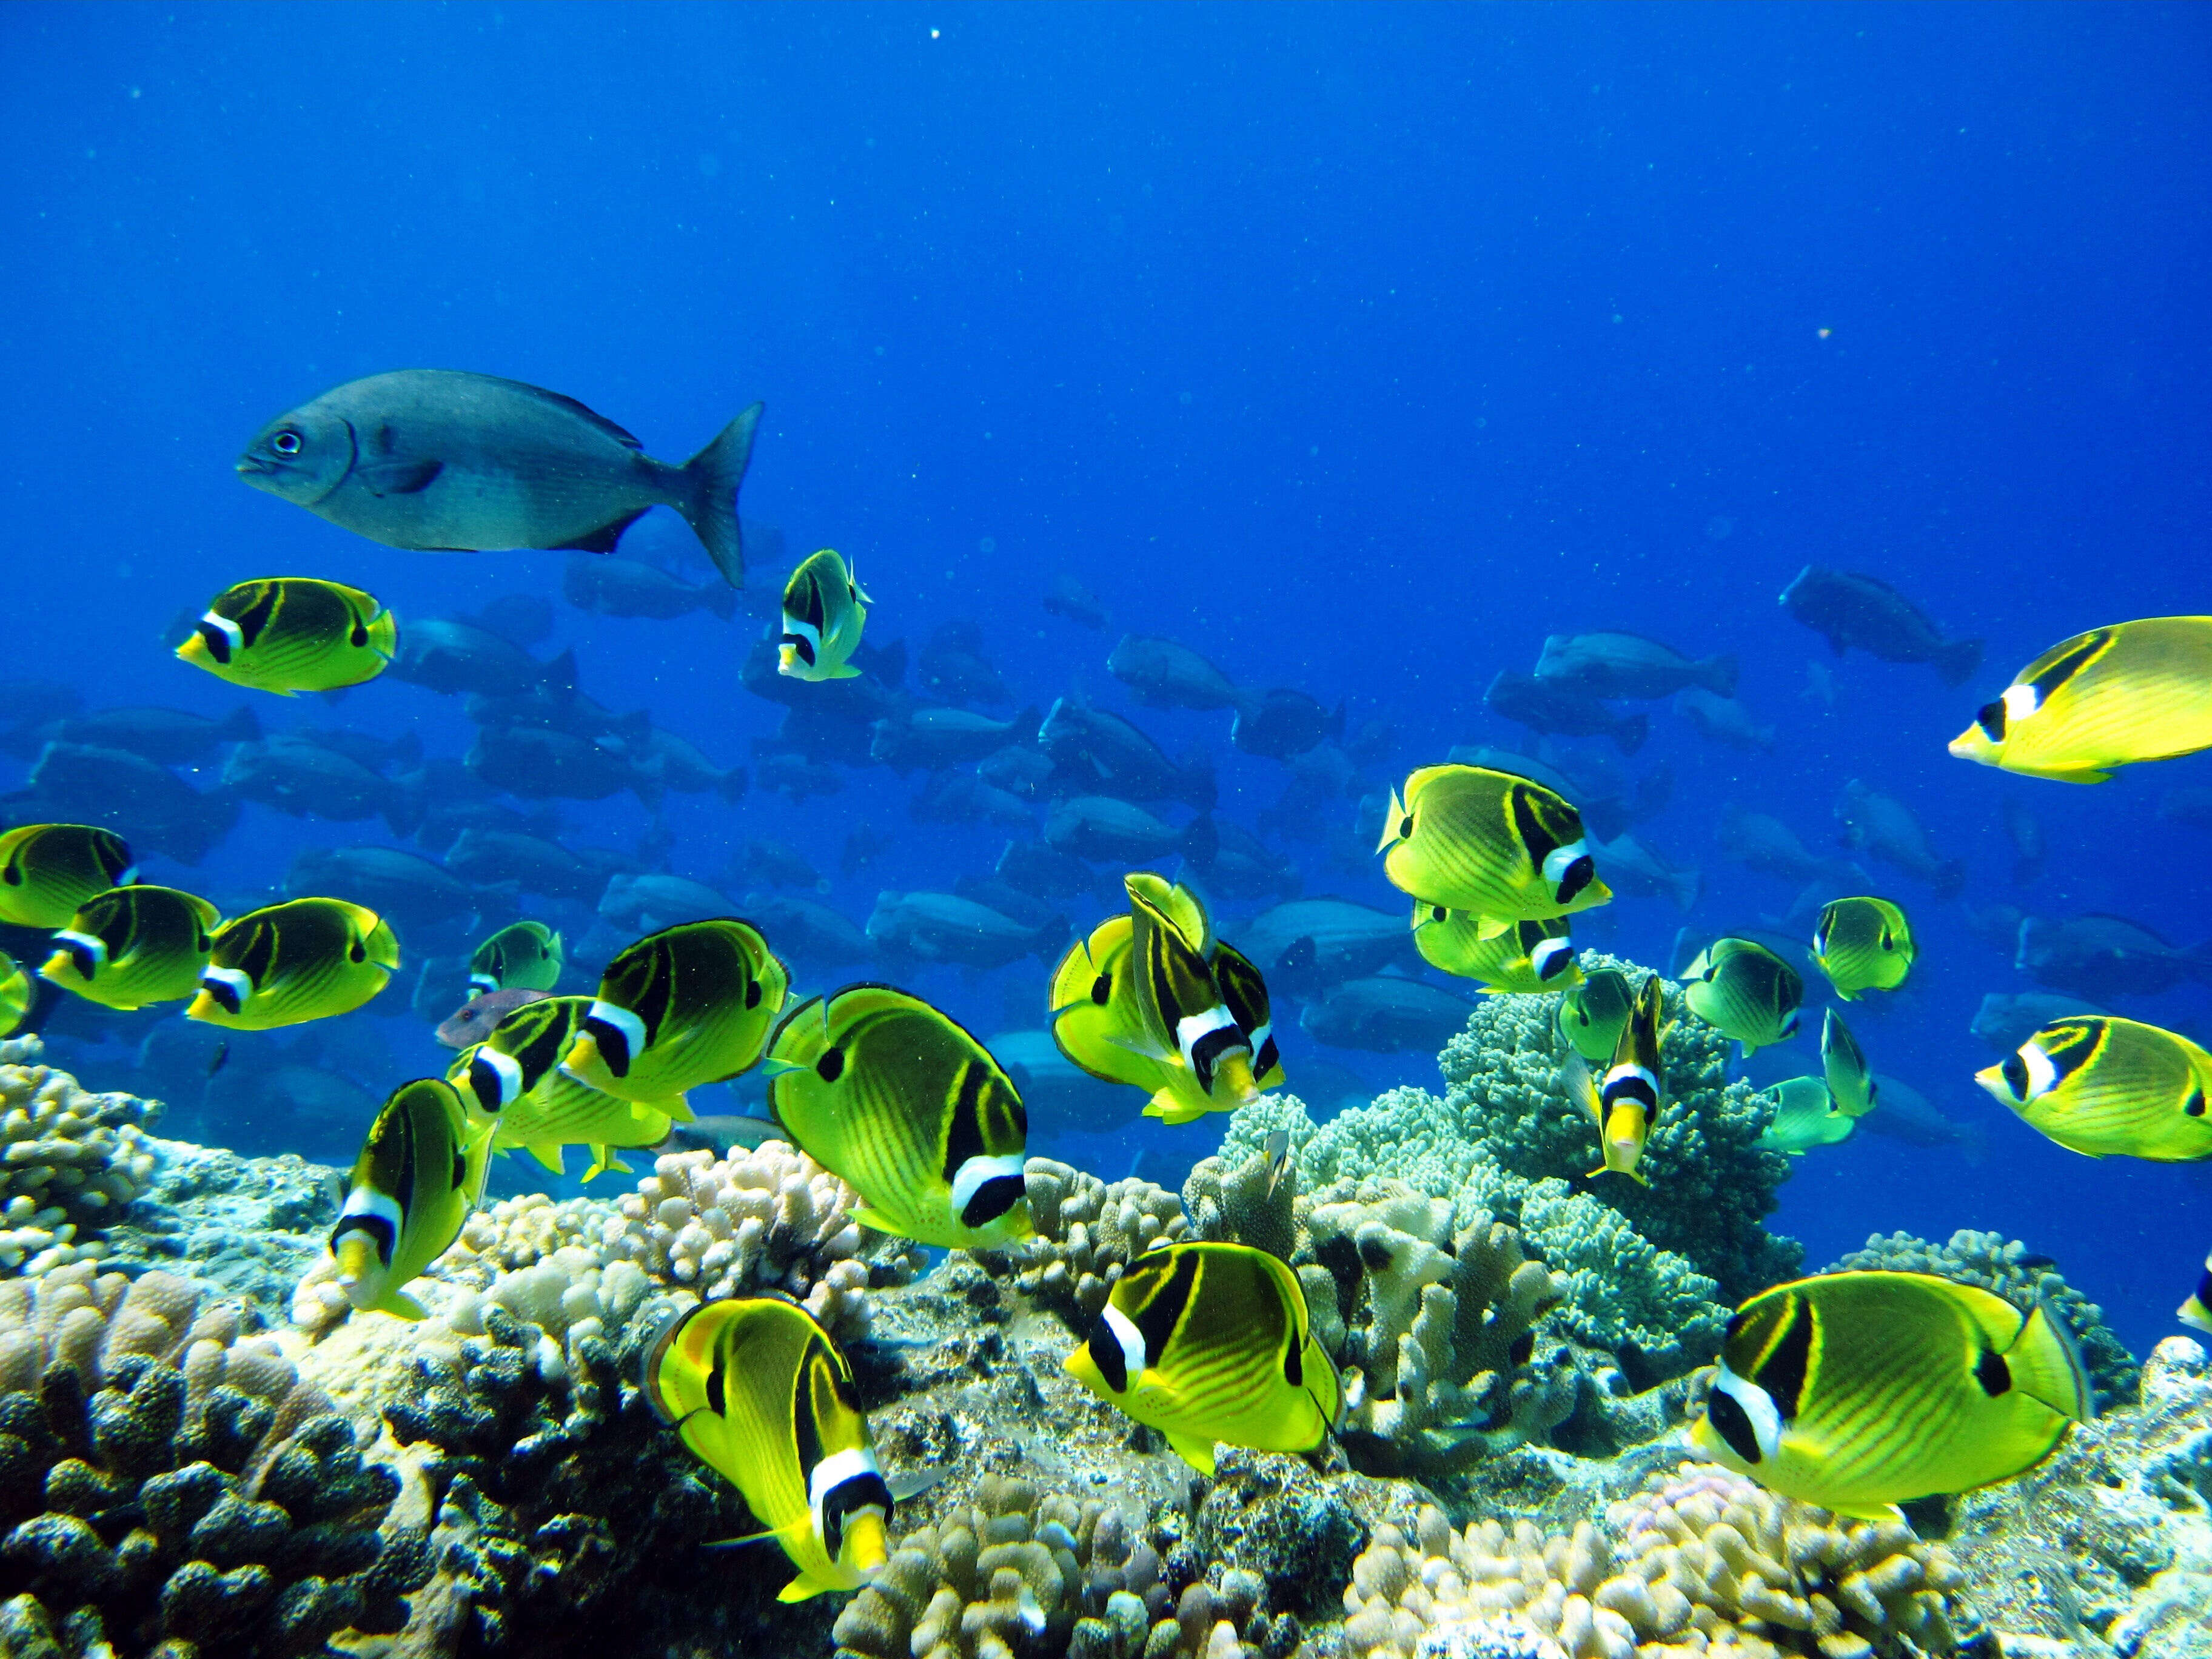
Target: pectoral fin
x: 1198, y: 1453
x: 398, y: 478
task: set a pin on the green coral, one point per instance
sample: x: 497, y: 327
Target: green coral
x: 2010, y: 1269
x: 1648, y: 1307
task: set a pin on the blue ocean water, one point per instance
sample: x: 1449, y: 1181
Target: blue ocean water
x: 1357, y: 348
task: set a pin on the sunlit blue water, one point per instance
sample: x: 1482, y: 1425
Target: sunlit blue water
x: 1358, y: 348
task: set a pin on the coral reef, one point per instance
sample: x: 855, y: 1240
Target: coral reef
x: 1018, y: 1572
x: 1648, y: 1307
x: 1087, y: 1231
x: 767, y: 1218
x: 2107, y: 1546
x: 2010, y: 1269
x: 170, y: 1486
x: 246, y: 1228
x: 71, y: 1162
x: 1700, y: 1559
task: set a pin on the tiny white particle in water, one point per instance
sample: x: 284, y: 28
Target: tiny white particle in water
x: 989, y: 543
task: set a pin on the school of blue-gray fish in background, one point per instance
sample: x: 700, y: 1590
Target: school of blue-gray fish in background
x: 1858, y: 1391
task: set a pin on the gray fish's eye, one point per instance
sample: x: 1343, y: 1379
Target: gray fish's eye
x: 286, y: 442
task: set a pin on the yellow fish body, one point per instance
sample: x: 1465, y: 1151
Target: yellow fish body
x: 283, y: 964
x: 48, y: 870
x: 419, y: 1173
x: 291, y: 633
x: 823, y: 612
x: 16, y: 995
x: 1863, y: 945
x: 523, y: 956
x: 1503, y: 846
x: 1745, y: 991
x: 1593, y: 1014
x: 2099, y: 1086
x: 1843, y: 1069
x: 1805, y: 1116
x: 2111, y: 698
x: 691, y: 1005
x: 512, y: 1085
x: 1211, y: 1343
x: 1529, y: 957
x: 760, y: 1394
x: 1861, y: 1391
x: 133, y: 946
x: 1625, y: 1102
x: 894, y: 1097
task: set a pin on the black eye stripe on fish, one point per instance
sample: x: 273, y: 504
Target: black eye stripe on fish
x: 1734, y: 1425
x: 1105, y: 1348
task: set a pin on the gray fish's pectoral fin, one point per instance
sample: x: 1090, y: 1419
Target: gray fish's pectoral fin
x: 602, y: 539
x: 398, y: 478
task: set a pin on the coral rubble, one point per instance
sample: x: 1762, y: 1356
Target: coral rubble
x: 71, y: 1162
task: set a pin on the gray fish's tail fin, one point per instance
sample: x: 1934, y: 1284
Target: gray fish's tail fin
x: 1957, y: 661
x: 711, y: 479
x: 1718, y: 674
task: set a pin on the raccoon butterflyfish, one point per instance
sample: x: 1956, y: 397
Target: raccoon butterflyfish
x: 2100, y: 1085
x: 420, y: 1172
x: 132, y: 945
x: 307, y: 958
x: 2111, y: 698
x: 1527, y: 957
x: 291, y: 633
x: 691, y: 1005
x: 1501, y: 846
x: 48, y: 870
x: 824, y: 612
x: 1863, y: 945
x: 523, y: 956
x: 1745, y: 991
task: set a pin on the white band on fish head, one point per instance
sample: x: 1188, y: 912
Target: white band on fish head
x: 1632, y: 1081
x: 366, y: 1204
x: 2042, y: 1075
x: 1134, y: 1358
x: 853, y: 1463
x: 1560, y: 860
x: 229, y: 629
x: 229, y: 986
x: 1551, y: 957
x: 507, y: 1073
x: 2019, y: 702
x: 976, y: 1173
x: 1757, y: 1406
x: 80, y: 945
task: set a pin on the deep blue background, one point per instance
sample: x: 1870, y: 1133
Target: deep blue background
x: 1359, y: 348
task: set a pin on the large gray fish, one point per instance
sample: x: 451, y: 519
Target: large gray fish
x: 147, y: 804
x: 532, y: 862
x: 1630, y: 666
x: 1164, y: 673
x: 648, y: 902
x: 1108, y: 830
x: 1722, y: 720
x: 945, y: 927
x: 450, y: 657
x: 1849, y: 609
x: 2102, y: 957
x: 623, y: 587
x: 1886, y: 827
x: 1309, y: 943
x: 1634, y: 871
x: 167, y: 737
x: 933, y: 738
x: 295, y: 775
x: 806, y: 933
x: 441, y: 460
x: 1064, y: 596
x: 1385, y: 1016
x: 414, y: 894
x: 1045, y: 872
x: 1761, y: 842
x: 541, y: 765
x: 964, y: 798
x: 1101, y: 754
x: 951, y: 666
x: 1563, y: 709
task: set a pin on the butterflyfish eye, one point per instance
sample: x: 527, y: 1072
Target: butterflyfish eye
x: 831, y: 1065
x: 1406, y: 828
x: 1991, y: 720
x: 1733, y: 1424
x: 2195, y: 1106
x: 752, y: 993
x: 1437, y: 913
x: 359, y: 636
x: 286, y: 442
x: 360, y: 951
x: 2014, y: 1072
x: 1101, y: 989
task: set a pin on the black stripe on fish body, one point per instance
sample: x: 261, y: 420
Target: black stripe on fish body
x: 1530, y: 826
x: 2093, y: 645
x: 2071, y: 1045
x: 253, y: 621
x: 2203, y: 1296
x: 963, y: 1125
x: 812, y: 609
x: 485, y: 1085
x: 1165, y: 1307
x: 403, y: 1191
x: 379, y: 1231
x: 718, y: 1399
x: 1787, y: 1363
x: 815, y: 1403
x: 1102, y: 990
x: 537, y: 1034
x: 612, y: 1043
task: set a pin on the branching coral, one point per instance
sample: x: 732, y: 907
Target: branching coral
x: 2011, y: 1270
x: 166, y: 1483
x: 1700, y: 1560
x: 1087, y: 1231
x: 1017, y: 1574
x: 768, y: 1218
x: 70, y: 1162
